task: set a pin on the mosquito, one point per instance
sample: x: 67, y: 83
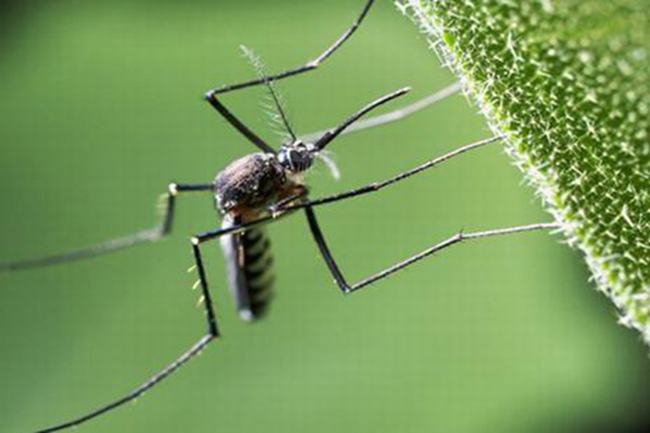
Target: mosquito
x: 266, y: 186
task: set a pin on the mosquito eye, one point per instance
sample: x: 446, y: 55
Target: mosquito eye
x: 295, y: 159
x: 302, y: 160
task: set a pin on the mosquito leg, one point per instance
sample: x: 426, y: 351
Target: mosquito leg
x: 211, y: 334
x: 376, y: 186
x: 166, y: 372
x: 147, y: 235
x: 310, y: 65
x: 456, y: 239
x: 170, y: 202
x: 217, y: 233
x: 300, y: 193
x: 211, y: 96
x: 325, y: 251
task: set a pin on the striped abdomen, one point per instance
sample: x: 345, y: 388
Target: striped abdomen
x: 250, y: 269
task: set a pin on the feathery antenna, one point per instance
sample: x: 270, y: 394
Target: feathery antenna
x: 279, y: 116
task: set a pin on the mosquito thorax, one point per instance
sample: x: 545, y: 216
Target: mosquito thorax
x: 250, y: 183
x: 296, y: 156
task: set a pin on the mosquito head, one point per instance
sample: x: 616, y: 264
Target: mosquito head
x: 297, y: 156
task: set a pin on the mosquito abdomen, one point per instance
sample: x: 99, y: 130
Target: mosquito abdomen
x: 250, y: 270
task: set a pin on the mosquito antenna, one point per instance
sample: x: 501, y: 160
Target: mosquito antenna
x: 392, y: 116
x: 279, y: 115
x: 333, y: 133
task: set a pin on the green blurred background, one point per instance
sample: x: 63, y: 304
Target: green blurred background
x: 101, y: 107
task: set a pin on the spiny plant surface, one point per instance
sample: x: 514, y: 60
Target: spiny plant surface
x: 568, y: 83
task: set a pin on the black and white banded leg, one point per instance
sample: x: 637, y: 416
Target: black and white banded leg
x: 453, y: 240
x: 148, y: 235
